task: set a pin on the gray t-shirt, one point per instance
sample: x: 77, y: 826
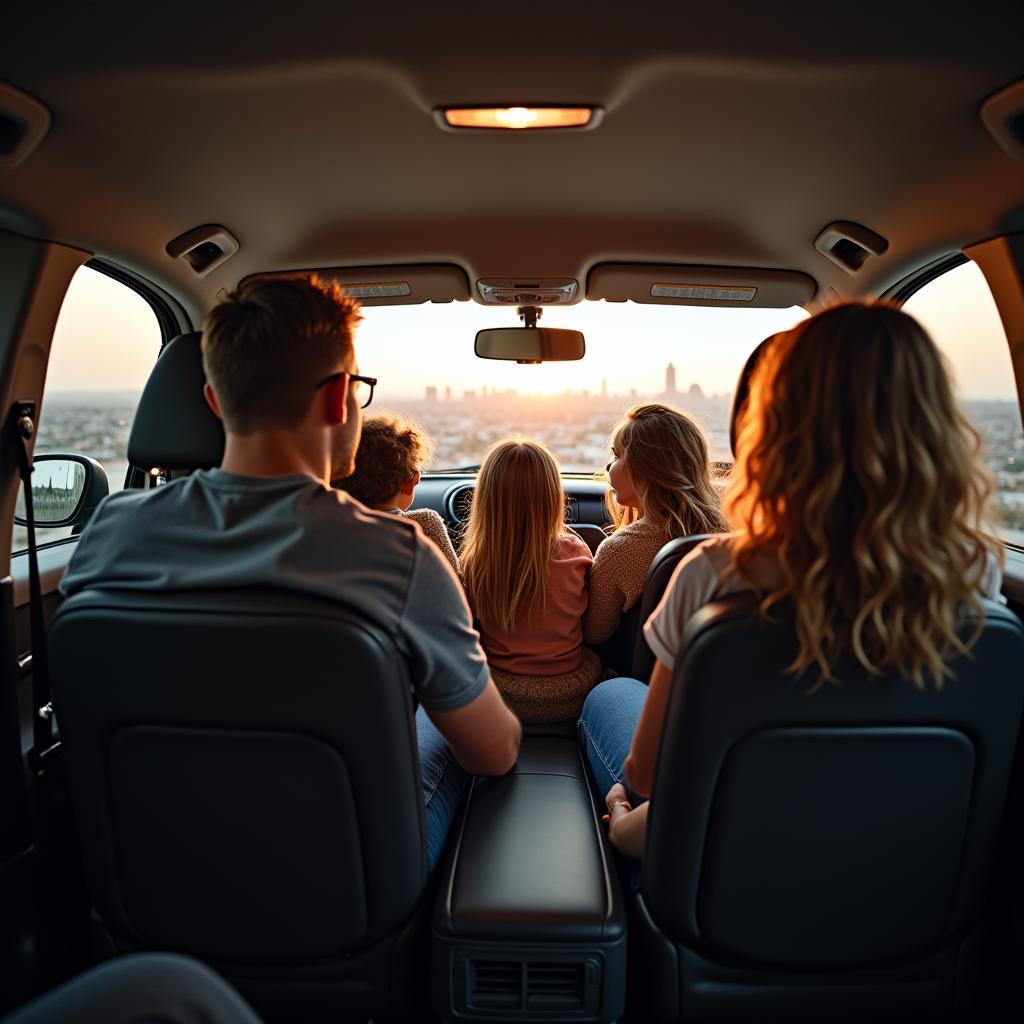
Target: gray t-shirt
x: 222, y: 530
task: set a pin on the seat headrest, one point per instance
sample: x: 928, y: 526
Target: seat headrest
x: 739, y: 398
x: 174, y: 428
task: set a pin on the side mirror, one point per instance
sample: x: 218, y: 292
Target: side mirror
x: 530, y: 344
x: 66, y: 488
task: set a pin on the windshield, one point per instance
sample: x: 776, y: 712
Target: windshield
x: 686, y: 355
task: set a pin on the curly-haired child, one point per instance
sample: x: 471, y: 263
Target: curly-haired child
x: 392, y: 452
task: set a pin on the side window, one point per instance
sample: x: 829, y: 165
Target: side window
x: 959, y: 312
x: 104, y: 345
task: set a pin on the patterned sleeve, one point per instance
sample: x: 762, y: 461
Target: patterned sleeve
x: 607, y: 599
x: 433, y: 527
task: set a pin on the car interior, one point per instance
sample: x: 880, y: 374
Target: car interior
x: 538, y: 208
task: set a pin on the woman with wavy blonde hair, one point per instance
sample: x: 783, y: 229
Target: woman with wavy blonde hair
x: 858, y: 497
x: 659, y: 488
x: 525, y: 574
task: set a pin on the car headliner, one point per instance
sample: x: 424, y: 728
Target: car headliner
x: 731, y: 136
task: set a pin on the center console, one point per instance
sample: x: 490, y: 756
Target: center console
x: 529, y: 923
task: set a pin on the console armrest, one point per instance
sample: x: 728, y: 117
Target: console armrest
x: 530, y: 887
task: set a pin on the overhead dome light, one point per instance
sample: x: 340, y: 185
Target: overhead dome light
x: 518, y: 118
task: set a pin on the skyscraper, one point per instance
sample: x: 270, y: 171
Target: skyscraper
x: 670, y: 379
x: 431, y: 394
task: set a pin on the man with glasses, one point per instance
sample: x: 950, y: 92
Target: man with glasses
x: 281, y: 375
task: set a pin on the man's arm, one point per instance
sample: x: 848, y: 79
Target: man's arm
x: 483, y: 735
x: 449, y: 669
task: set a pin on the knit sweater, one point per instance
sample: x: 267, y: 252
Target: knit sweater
x: 434, y: 529
x: 617, y: 576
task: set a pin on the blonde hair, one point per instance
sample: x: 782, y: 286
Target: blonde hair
x: 856, y: 470
x: 666, y: 455
x: 515, y: 521
x: 392, y: 450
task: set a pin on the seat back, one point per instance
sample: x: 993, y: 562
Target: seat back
x: 244, y: 771
x: 658, y: 575
x: 841, y: 833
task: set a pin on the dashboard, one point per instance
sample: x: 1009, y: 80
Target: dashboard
x: 450, y: 494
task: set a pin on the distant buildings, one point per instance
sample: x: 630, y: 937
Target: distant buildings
x: 448, y: 393
x: 670, y: 380
x: 574, y: 424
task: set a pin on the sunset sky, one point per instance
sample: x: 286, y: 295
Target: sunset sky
x: 107, y: 339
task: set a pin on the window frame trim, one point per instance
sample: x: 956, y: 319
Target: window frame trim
x: 906, y: 288
x: 171, y: 319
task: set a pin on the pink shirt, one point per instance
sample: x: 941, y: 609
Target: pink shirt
x: 554, y: 644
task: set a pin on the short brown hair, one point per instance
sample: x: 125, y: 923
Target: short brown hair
x: 392, y: 450
x: 269, y: 342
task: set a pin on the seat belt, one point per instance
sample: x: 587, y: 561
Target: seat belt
x: 21, y: 429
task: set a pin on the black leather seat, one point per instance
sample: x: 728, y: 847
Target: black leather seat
x: 658, y: 575
x: 821, y: 856
x: 626, y: 650
x: 630, y: 634
x: 243, y: 767
x: 174, y: 428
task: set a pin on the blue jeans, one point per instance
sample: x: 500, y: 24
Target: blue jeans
x: 607, y: 722
x: 443, y: 781
x: 606, y: 726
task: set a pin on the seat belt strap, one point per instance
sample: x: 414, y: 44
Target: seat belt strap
x: 21, y: 430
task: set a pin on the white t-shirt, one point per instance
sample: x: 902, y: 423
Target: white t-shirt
x: 704, y: 574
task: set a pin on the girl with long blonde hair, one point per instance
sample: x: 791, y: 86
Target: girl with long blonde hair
x: 660, y: 487
x: 858, y: 497
x: 525, y: 574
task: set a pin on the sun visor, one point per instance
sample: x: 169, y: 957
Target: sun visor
x: 681, y: 285
x: 395, y: 285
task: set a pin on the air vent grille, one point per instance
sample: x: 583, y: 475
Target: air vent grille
x: 496, y: 984
x: 534, y: 987
x: 458, y: 502
x: 555, y: 986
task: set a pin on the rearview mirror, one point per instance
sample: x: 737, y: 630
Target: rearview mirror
x: 530, y: 344
x: 66, y: 488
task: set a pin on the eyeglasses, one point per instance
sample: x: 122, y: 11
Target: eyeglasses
x: 354, y: 378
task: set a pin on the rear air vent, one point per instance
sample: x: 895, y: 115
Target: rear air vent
x: 24, y: 121
x: 495, y: 984
x: 555, y: 986
x: 849, y: 245
x: 204, y: 248
x: 535, y: 987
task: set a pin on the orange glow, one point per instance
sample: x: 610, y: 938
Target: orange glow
x: 518, y: 117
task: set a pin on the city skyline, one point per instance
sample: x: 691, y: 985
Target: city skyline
x: 431, y: 393
x: 575, y: 426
